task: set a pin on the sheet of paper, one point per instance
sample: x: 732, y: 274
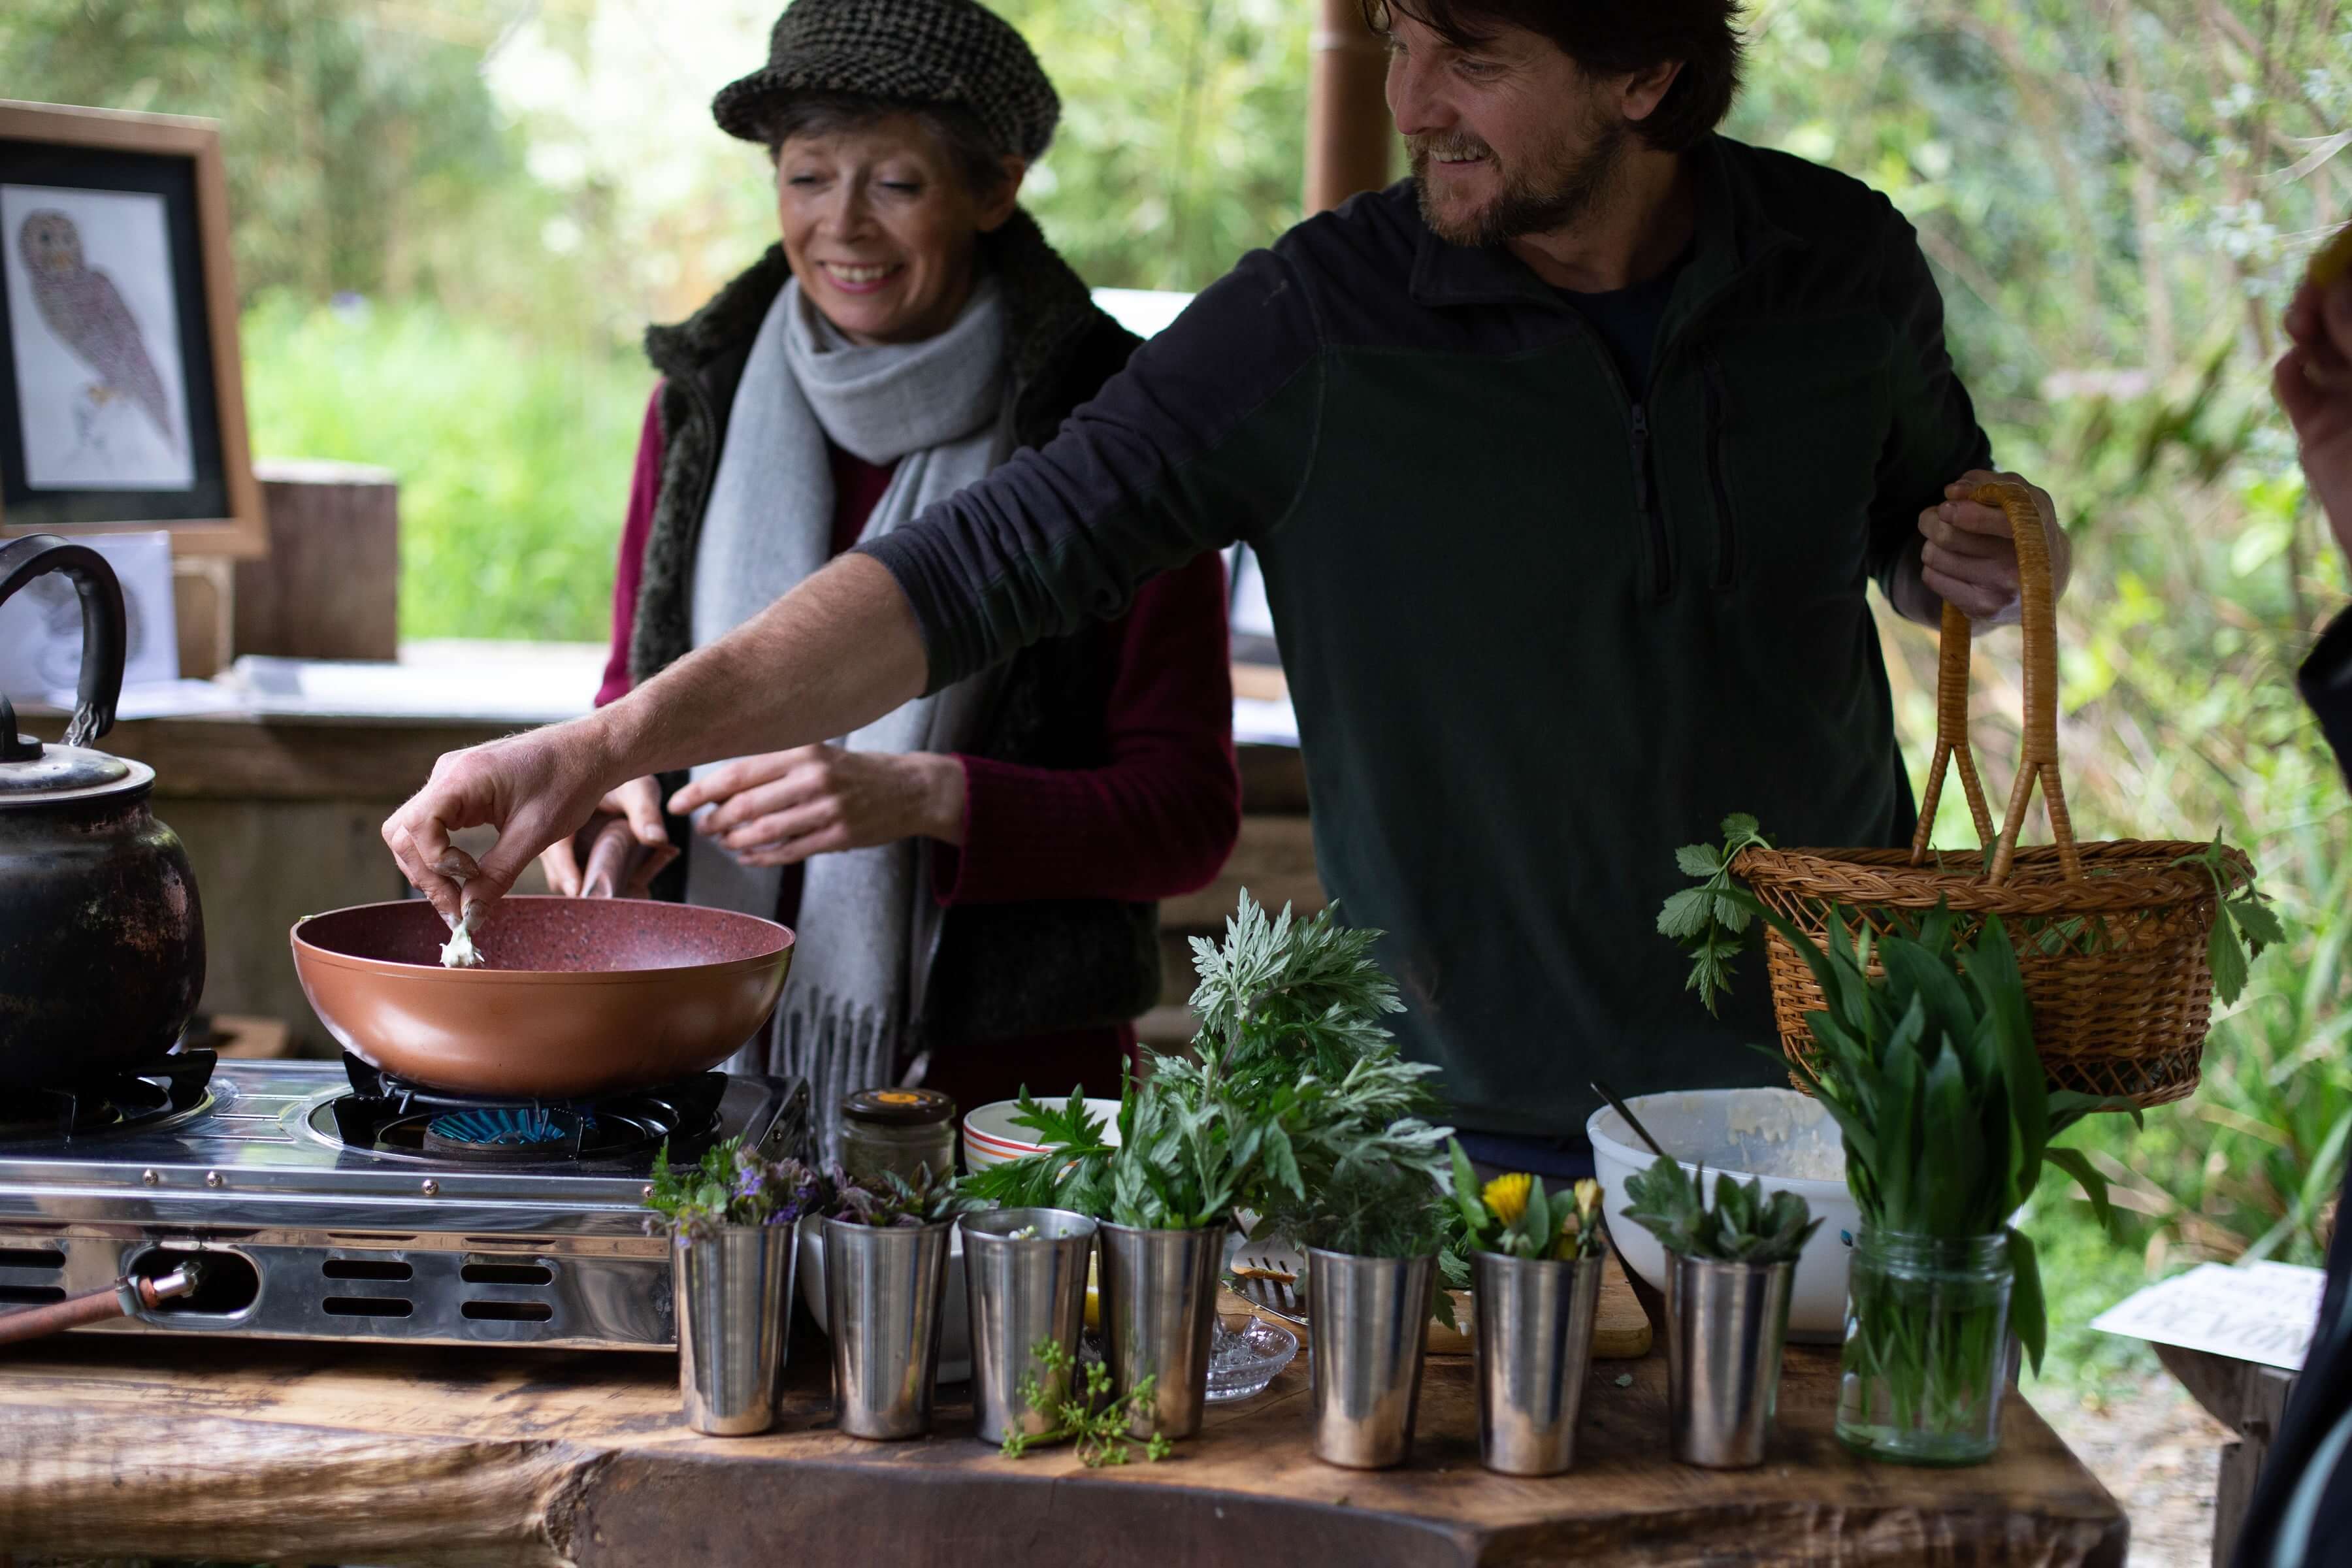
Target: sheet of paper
x: 1257, y: 721
x: 40, y: 625
x: 2258, y: 1311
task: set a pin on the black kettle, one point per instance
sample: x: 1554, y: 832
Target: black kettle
x: 101, y: 939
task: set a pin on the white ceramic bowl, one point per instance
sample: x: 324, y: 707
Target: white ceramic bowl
x: 1785, y: 1138
x: 990, y: 1137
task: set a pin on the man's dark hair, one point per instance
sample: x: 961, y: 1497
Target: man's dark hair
x: 1611, y: 37
x: 957, y: 129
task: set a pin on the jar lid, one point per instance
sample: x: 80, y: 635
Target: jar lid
x: 898, y: 1107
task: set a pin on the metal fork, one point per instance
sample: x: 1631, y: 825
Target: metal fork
x: 1264, y: 1284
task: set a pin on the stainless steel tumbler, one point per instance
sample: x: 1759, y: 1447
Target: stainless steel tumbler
x: 1534, y: 1332
x: 1726, y: 1324
x: 732, y: 1293
x: 1023, y: 1290
x: 883, y: 1291
x: 1159, y: 1291
x: 1369, y: 1318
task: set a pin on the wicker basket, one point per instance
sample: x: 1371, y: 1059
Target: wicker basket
x: 2111, y: 937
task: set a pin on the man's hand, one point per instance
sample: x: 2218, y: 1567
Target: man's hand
x: 1970, y: 561
x: 534, y: 788
x: 2313, y: 381
x: 637, y: 804
x: 780, y: 808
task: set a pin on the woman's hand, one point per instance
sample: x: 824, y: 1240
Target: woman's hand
x: 638, y: 805
x: 1969, y: 558
x: 780, y: 808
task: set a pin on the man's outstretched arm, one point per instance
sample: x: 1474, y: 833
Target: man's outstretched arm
x: 1207, y: 437
x: 825, y: 659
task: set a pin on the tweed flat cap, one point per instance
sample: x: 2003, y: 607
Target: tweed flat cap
x: 915, y: 51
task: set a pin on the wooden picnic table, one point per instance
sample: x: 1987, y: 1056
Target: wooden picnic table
x: 246, y: 1450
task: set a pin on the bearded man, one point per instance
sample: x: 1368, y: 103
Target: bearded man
x: 1569, y: 462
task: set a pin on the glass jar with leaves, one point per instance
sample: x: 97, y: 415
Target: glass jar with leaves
x: 1536, y: 1259
x: 1729, y: 1268
x: 1290, y: 1081
x: 1925, y: 1057
x: 886, y: 1274
x: 733, y: 1217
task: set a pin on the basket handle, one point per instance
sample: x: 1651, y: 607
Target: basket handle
x: 2039, y: 757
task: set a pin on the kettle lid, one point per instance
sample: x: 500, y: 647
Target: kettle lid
x: 31, y: 772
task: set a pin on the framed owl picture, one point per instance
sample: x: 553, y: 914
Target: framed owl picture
x: 121, y: 394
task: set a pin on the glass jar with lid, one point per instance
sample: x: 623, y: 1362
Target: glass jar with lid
x: 897, y: 1129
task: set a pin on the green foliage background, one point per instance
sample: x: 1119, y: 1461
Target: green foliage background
x: 2114, y: 198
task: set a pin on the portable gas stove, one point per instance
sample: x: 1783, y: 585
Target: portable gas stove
x: 327, y: 1202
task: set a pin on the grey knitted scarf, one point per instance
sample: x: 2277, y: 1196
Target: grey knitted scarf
x: 868, y: 926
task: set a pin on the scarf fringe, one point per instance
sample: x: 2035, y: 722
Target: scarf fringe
x: 836, y: 1045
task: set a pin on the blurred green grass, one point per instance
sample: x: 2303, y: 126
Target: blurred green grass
x: 513, y: 456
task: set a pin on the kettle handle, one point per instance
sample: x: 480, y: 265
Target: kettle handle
x: 104, y: 634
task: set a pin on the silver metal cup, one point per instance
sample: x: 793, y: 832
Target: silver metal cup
x: 883, y: 1291
x: 1726, y: 1324
x: 732, y: 1293
x: 1370, y: 1320
x: 1158, y: 1290
x: 1021, y: 1290
x: 1534, y: 1332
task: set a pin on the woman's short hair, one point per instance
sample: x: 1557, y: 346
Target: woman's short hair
x: 1611, y: 37
x: 958, y: 131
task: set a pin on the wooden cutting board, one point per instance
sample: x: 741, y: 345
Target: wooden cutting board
x: 1621, y: 1330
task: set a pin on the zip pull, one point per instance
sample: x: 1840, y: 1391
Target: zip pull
x: 1642, y: 460
x: 1662, y: 579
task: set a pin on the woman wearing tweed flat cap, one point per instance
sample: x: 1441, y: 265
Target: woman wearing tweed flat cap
x: 974, y: 875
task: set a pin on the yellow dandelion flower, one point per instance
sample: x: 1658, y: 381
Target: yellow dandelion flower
x: 1505, y: 1197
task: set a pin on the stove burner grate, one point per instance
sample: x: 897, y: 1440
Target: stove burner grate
x: 505, y: 1133
x: 385, y: 1115
x: 112, y: 1102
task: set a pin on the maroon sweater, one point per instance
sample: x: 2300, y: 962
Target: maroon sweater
x: 1157, y: 820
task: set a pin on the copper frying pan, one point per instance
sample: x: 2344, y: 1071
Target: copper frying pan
x: 576, y: 997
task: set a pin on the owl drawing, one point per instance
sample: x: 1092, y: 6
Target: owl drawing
x: 85, y: 309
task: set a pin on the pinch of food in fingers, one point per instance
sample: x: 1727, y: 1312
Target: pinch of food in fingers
x: 458, y: 951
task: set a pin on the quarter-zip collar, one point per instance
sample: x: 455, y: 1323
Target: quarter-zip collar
x: 1733, y: 234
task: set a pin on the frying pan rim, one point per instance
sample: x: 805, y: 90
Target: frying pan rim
x: 313, y: 952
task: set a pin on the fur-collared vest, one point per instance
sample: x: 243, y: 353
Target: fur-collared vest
x: 1003, y: 970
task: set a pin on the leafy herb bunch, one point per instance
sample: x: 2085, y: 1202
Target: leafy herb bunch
x: 1514, y: 1215
x: 927, y: 1200
x: 1292, y: 1102
x: 1085, y: 1412
x: 1711, y: 919
x: 1742, y: 1225
x: 732, y: 1185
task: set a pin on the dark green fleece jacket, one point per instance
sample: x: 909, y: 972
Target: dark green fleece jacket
x: 1537, y: 633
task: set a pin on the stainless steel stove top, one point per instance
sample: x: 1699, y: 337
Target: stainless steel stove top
x: 305, y: 1235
